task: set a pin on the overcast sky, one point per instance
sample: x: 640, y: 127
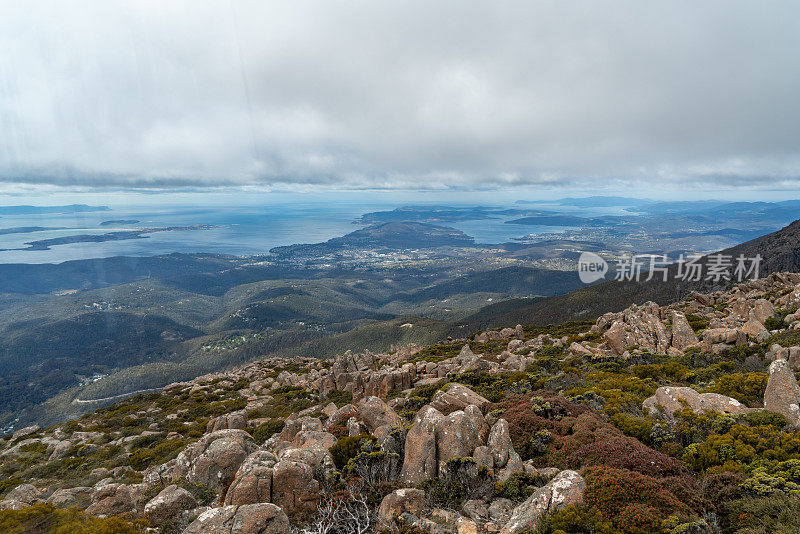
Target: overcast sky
x: 409, y: 94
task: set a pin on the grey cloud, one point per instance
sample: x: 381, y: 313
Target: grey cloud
x: 406, y: 94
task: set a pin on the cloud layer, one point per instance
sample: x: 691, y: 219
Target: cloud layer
x: 404, y: 94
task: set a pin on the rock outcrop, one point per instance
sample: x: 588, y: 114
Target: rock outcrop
x: 568, y: 487
x: 672, y: 399
x: 214, y: 460
x: 782, y: 394
x: 247, y: 519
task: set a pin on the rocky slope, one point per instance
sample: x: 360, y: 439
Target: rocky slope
x: 678, y: 418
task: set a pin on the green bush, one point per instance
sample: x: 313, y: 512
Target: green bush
x: 776, y: 514
x: 747, y: 388
x: 7, y: 484
x: 782, y: 477
x: 46, y: 518
x: 142, y: 458
x: 348, y: 448
x: 633, y: 426
x: 518, y: 486
x: 776, y: 322
x: 266, y: 430
x: 575, y: 519
x: 339, y: 397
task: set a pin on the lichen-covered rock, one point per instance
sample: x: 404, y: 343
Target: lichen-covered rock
x: 253, y: 480
x: 237, y: 420
x: 399, y: 504
x: 376, y: 413
x: 169, y: 503
x: 27, y: 431
x: 456, y: 397
x: 259, y: 518
x: 294, y: 488
x: 457, y: 435
x: 568, y: 487
x: 66, y: 497
x: 24, y: 493
x: 683, y: 335
x: 670, y: 397
x: 782, y: 394
x: 112, y: 499
x: 420, y: 449
x: 214, y: 460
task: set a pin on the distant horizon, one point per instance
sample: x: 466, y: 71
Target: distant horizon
x: 399, y: 197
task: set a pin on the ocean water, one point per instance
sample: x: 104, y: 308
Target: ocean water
x: 243, y: 225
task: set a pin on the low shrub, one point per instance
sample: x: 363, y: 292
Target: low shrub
x: 266, y: 430
x: 626, y: 453
x: 612, y: 492
x: 349, y: 447
x: 47, y: 518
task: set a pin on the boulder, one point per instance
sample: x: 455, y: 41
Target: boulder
x: 293, y: 425
x: 237, y: 420
x: 24, y: 493
x: 762, y: 310
x: 456, y: 397
x: 466, y: 526
x: 476, y: 509
x: 314, y: 439
x: 27, y: 431
x: 112, y: 499
x: 375, y: 413
x: 615, y: 337
x: 253, y: 480
x: 294, y: 488
x: 500, y: 510
x: 64, y: 498
x: 669, y: 398
x: 10, y: 504
x: 638, y: 326
x: 782, y: 394
x: 683, y: 335
x: 420, y: 449
x: 755, y: 330
x: 567, y: 488
x: 457, y: 435
x: 61, y: 449
x: 500, y: 443
x: 505, y: 458
x: 169, y: 503
x: 262, y: 518
x: 214, y: 460
x: 398, y: 505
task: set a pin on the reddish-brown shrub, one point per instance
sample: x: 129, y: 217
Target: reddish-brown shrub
x: 339, y: 428
x: 638, y: 518
x: 611, y: 490
x: 722, y: 487
x: 571, y: 425
x: 627, y: 453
